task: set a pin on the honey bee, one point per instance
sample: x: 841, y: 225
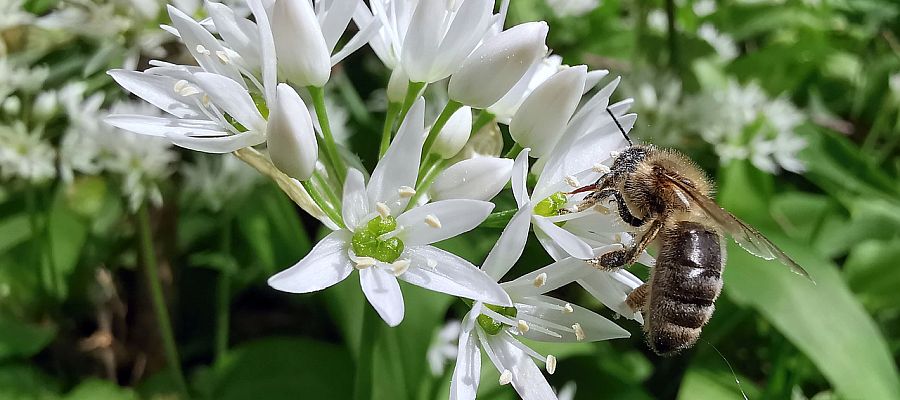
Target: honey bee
x: 664, y: 194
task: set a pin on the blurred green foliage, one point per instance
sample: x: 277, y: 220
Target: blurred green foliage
x: 80, y: 311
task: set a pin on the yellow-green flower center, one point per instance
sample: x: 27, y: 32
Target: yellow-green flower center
x: 550, y: 206
x: 366, y: 242
x: 492, y: 326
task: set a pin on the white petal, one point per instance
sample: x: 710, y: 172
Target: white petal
x: 196, y: 36
x: 355, y: 203
x: 520, y: 177
x: 160, y: 126
x: 290, y: 136
x: 267, y: 48
x: 240, y: 34
x: 303, y: 55
x: 400, y: 164
x: 527, y: 379
x: 479, y: 178
x: 454, y: 217
x: 383, y: 292
x: 555, y: 251
x: 572, y: 244
x: 494, y: 67
x: 559, y: 274
x: 467, y: 373
x: 612, y: 289
x: 325, y: 265
x: 156, y: 90
x: 218, y: 145
x: 545, y: 308
x: 542, y: 117
x: 232, y: 98
x: 420, y: 47
x: 468, y: 28
x: 454, y: 134
x: 335, y: 20
x: 358, y: 40
x: 441, y: 271
x: 509, y: 246
x: 593, y: 78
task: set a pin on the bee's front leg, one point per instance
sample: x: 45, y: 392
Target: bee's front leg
x: 616, y: 259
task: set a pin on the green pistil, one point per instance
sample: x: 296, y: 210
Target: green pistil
x: 550, y: 206
x: 365, y: 240
x: 490, y: 325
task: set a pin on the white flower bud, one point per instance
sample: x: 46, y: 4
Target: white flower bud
x: 44, y: 106
x: 495, y: 66
x: 541, y: 119
x: 291, y: 138
x: 303, y: 55
x: 479, y: 178
x: 397, y: 86
x: 455, y: 133
x: 12, y: 105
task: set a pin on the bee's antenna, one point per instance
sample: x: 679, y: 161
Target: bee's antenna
x: 621, y: 129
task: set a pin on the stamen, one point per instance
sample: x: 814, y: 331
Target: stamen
x: 551, y: 364
x: 223, y: 57
x: 600, y: 168
x: 579, y: 332
x: 406, y: 191
x: 505, y: 377
x: 568, y: 309
x: 537, y: 326
x: 432, y: 221
x: 179, y: 86
x: 400, y: 267
x: 364, y: 262
x: 523, y: 326
x: 202, y: 50
x: 540, y: 280
x: 205, y: 100
x: 383, y: 209
x: 572, y: 181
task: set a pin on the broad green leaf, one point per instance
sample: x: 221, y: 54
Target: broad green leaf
x: 705, y: 384
x: 20, y: 339
x: 67, y: 235
x: 98, y: 389
x: 800, y: 214
x: 13, y: 231
x: 872, y: 272
x: 840, y: 168
x: 823, y: 320
x: 284, y: 368
x: 26, y: 382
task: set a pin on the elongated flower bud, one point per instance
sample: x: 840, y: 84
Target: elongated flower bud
x: 542, y: 117
x: 455, y: 133
x: 479, y: 178
x: 291, y: 138
x: 303, y: 55
x: 495, y: 67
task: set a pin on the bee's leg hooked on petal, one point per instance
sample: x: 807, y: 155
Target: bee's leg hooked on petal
x: 616, y: 259
x: 637, y: 299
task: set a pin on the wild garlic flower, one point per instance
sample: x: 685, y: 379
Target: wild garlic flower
x: 572, y: 8
x: 495, y: 331
x: 443, y: 347
x: 25, y: 154
x: 385, y: 243
x: 215, y: 183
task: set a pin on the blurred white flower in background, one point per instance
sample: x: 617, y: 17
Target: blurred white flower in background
x: 214, y: 182
x: 25, y: 154
x: 572, y: 8
x: 443, y: 347
x: 722, y: 43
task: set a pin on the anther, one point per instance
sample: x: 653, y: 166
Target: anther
x: 572, y: 181
x: 551, y: 364
x: 540, y: 280
x: 222, y: 57
x: 505, y: 377
x: 579, y: 332
x: 523, y: 326
x: 383, y: 209
x: 406, y: 191
x: 204, y: 100
x: 600, y: 168
x: 432, y: 221
x: 202, y: 50
x: 400, y: 267
x: 568, y: 309
x: 364, y: 262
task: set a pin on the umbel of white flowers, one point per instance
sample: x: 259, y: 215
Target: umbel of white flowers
x: 258, y: 90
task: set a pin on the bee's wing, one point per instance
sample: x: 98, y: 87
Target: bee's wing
x: 747, y: 237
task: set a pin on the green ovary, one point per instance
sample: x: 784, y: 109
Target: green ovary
x: 365, y: 240
x: 490, y: 325
x: 550, y: 206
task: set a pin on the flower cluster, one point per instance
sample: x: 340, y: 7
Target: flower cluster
x: 250, y: 89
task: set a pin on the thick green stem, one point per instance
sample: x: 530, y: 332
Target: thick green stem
x: 514, y: 151
x: 362, y: 389
x: 484, y: 117
x: 498, y: 219
x: 318, y: 96
x: 223, y: 296
x: 412, y: 93
x: 159, y: 302
x: 388, y: 129
x: 442, y: 119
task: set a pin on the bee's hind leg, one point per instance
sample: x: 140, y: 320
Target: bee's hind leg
x: 616, y: 259
x: 637, y: 299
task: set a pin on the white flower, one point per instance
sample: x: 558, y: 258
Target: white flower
x: 385, y: 243
x: 478, y: 178
x: 441, y: 34
x: 25, y: 155
x: 305, y: 39
x: 214, y: 182
x: 498, y: 64
x: 542, y: 117
x: 572, y: 8
x: 722, y: 43
x: 290, y: 137
x: 495, y: 330
x: 443, y: 347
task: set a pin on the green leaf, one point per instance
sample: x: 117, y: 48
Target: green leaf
x: 872, y: 272
x: 13, y: 231
x: 284, y: 368
x: 19, y: 339
x: 67, y: 235
x: 25, y: 382
x: 98, y: 389
x: 705, y: 384
x: 824, y: 320
x: 840, y: 168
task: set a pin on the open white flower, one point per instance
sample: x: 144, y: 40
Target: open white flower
x: 535, y: 316
x: 385, y: 243
x: 25, y: 154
